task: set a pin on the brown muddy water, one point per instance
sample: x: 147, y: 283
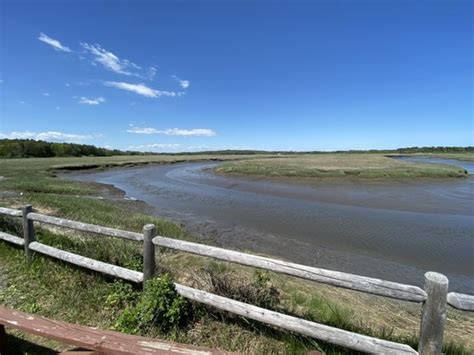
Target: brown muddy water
x: 390, y: 230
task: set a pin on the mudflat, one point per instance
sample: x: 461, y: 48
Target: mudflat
x: 393, y: 230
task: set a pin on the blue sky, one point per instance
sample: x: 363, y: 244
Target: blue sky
x: 198, y: 75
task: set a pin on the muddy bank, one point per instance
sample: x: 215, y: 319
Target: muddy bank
x: 395, y: 231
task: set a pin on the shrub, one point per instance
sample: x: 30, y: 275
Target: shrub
x: 258, y: 291
x: 267, y: 295
x: 159, y: 306
x: 122, y: 295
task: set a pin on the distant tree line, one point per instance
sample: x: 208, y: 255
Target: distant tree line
x: 379, y: 151
x: 411, y: 150
x: 29, y: 148
x: 436, y: 150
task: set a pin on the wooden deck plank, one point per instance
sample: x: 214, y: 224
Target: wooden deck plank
x: 102, y: 341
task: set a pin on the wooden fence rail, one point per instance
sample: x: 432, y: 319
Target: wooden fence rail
x: 434, y: 297
x: 335, y: 278
x: 461, y: 301
x: 12, y: 239
x: 85, y: 227
x: 108, y: 269
x: 319, y: 331
x: 10, y: 212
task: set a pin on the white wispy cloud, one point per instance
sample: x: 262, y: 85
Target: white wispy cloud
x: 203, y: 132
x: 140, y: 89
x: 109, y: 60
x: 142, y: 130
x: 151, y: 72
x: 183, y: 83
x: 50, y: 136
x: 53, y: 43
x: 96, y: 101
x: 171, y: 147
x: 197, y: 132
x: 46, y: 94
x: 154, y: 146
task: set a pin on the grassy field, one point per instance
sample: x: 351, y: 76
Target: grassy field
x: 366, y: 166
x: 91, y: 299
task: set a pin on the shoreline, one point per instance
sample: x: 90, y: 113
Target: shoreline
x: 351, y: 167
x: 342, y: 180
x: 317, y: 183
x: 379, y: 312
x: 361, y: 302
x: 306, y: 180
x: 250, y: 237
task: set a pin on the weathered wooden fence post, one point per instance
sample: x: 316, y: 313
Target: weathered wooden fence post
x: 28, y: 230
x: 149, y: 232
x: 434, y: 314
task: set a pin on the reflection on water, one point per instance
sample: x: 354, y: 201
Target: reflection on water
x: 394, y: 231
x: 467, y: 165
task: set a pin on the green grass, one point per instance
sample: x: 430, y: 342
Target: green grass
x: 61, y: 291
x: 365, y: 166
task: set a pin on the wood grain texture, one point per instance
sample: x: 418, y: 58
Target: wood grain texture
x: 102, y: 341
x: 85, y: 227
x: 335, y: 278
x: 109, y: 269
x: 28, y: 230
x: 433, y: 316
x: 461, y: 301
x: 11, y: 239
x: 332, y: 335
x: 435, y: 297
x: 149, y: 232
x: 10, y: 212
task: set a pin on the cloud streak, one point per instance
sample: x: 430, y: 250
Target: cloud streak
x: 97, y: 55
x: 175, y: 148
x: 142, y: 130
x: 196, y: 132
x: 151, y: 72
x: 50, y: 136
x: 97, y: 101
x: 183, y: 83
x: 53, y: 43
x: 109, y: 60
x: 140, y: 89
x: 202, y: 132
x: 155, y: 146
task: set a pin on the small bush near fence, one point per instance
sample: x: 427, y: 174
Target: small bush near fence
x: 159, y: 305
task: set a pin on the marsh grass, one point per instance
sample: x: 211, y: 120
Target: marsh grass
x: 61, y: 291
x: 363, y: 166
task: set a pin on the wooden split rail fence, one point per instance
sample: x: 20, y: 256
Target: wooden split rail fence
x: 434, y: 297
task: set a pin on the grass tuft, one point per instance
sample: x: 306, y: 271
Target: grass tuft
x: 61, y: 291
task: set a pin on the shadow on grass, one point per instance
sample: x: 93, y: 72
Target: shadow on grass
x: 17, y: 345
